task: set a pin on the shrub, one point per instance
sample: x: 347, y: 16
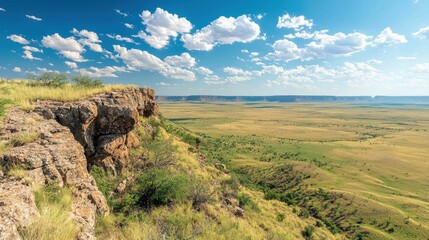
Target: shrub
x: 280, y: 217
x: 50, y: 79
x: 86, y: 81
x: 246, y: 202
x: 155, y: 188
x: 200, y: 193
x: 308, y: 231
x: 304, y: 213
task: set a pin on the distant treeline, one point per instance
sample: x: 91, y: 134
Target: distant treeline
x: 299, y: 98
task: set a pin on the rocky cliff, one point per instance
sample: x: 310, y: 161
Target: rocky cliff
x: 56, y: 143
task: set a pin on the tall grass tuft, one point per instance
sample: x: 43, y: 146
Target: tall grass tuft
x: 54, y: 204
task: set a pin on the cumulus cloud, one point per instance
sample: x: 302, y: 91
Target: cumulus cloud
x: 296, y: 23
x: 357, y: 74
x: 33, y: 17
x: 222, y: 31
x: 68, y: 47
x: 129, y: 25
x: 121, y: 13
x: 142, y: 60
x: 88, y: 38
x: 184, y: 60
x: 204, y: 71
x: 161, y: 26
x: 28, y: 53
x: 18, y: 39
x: 17, y: 69
x: 120, y: 38
x: 422, y: 33
x: 323, y: 45
x: 109, y: 71
x: 387, y: 36
x: 72, y: 65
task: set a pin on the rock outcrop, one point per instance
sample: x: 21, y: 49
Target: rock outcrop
x: 56, y: 143
x: 102, y: 124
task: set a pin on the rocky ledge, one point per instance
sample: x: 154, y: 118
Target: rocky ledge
x: 69, y: 138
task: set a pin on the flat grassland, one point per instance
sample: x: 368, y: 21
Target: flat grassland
x: 372, y: 159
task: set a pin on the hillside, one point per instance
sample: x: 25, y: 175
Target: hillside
x: 101, y: 162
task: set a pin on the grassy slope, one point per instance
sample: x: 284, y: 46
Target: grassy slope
x: 262, y: 219
x: 373, y: 156
x: 214, y: 221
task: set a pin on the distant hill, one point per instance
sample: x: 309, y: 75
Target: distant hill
x: 299, y: 98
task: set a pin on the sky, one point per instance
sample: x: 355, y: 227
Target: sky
x: 240, y: 47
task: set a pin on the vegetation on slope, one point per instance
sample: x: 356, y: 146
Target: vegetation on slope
x: 348, y: 166
x: 49, y: 86
x: 173, y: 192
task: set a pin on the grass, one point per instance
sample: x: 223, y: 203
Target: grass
x: 54, y: 204
x: 20, y: 93
x: 370, y: 160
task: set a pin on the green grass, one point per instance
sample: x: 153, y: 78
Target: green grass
x: 54, y: 204
x: 371, y: 161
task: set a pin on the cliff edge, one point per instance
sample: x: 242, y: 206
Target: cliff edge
x: 56, y: 143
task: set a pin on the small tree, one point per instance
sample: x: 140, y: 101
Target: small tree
x: 51, y: 79
x: 86, y: 81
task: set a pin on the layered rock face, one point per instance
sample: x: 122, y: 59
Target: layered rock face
x: 102, y: 124
x: 63, y: 139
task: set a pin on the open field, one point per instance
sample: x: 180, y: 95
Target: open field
x: 371, y: 159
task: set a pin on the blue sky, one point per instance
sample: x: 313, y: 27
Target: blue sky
x: 331, y: 47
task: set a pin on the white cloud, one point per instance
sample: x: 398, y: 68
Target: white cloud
x: 68, y: 47
x: 422, y: 33
x: 141, y: 60
x: 28, y: 53
x: 32, y: 49
x: 33, y: 17
x: 222, y: 31
x: 45, y: 70
x: 387, y: 36
x: 184, y: 60
x: 163, y: 84
x: 2, y: 10
x: 17, y: 69
x: 406, y: 58
x: 259, y: 16
x: 120, y: 38
x: 121, y: 13
x: 359, y: 74
x: 161, y: 26
x: 421, y: 67
x: 204, y: 71
x: 129, y: 25
x: 109, y: 71
x: 18, y: 39
x: 88, y: 38
x: 296, y: 23
x: 71, y: 64
x: 324, y: 45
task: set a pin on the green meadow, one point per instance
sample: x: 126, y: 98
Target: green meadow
x: 362, y: 169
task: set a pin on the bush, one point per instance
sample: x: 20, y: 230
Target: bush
x: 304, y: 213
x: 200, y: 193
x: 308, y: 231
x: 86, y: 81
x: 280, y: 217
x: 246, y: 202
x: 51, y: 79
x: 155, y: 188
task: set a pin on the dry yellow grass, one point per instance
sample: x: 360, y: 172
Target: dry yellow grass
x: 22, y: 94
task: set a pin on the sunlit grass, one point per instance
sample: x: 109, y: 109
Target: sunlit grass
x: 22, y: 94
